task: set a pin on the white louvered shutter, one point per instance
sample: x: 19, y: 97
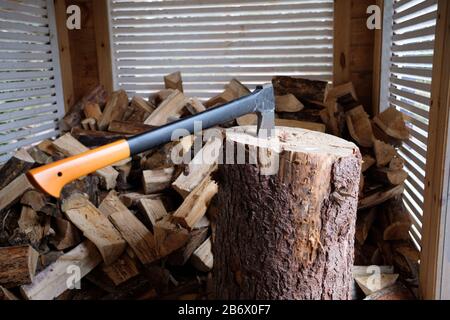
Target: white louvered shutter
x: 411, y: 63
x: 211, y: 42
x: 30, y: 87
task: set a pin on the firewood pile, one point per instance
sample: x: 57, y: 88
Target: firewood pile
x: 143, y: 228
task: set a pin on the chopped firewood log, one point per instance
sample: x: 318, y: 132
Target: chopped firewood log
x: 363, y: 224
x: 153, y: 209
x: 174, y: 81
x: 397, y: 163
x: 397, y: 231
x: 88, y: 185
x: 302, y: 89
x: 392, y: 123
x: 92, y: 110
x: 195, y: 204
x: 360, y: 127
x: 333, y: 117
x: 397, y: 291
x: 122, y: 270
x: 47, y: 147
x: 71, y: 147
x: 373, y: 283
x: 202, y: 165
x: 17, y: 265
x: 47, y: 259
x: 368, y: 161
x: 30, y: 224
x: 202, y: 258
x: 7, y: 295
x: 250, y: 119
x: 157, y: 98
x: 288, y: 103
x: 54, y: 280
x: 380, y: 197
x: 383, y: 152
x: 319, y: 127
x: 340, y: 91
x: 73, y: 117
x: 169, y: 236
x: 138, y: 111
x: 182, y: 255
x: 155, y: 181
x: 95, y: 226
x: 89, y: 124
x: 111, y: 204
x: 39, y: 156
x: 126, y: 127
x: 132, y: 199
x: 91, y: 138
x: 66, y: 234
x: 195, y: 106
x: 369, y: 270
x: 122, y: 179
x: 138, y: 237
x: 34, y: 199
x: 20, y: 163
x: 239, y: 90
x: 391, y: 177
x: 172, y: 106
x: 114, y: 109
x: 14, y: 190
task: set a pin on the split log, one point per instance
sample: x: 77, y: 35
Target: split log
x: 395, y: 292
x: 334, y: 118
x: 138, y: 237
x: 66, y: 234
x: 7, y: 295
x: 54, y: 280
x: 392, y: 123
x: 155, y: 181
x: 122, y: 270
x: 220, y: 99
x: 14, y: 190
x: 360, y: 127
x: 126, y: 127
x: 202, y: 258
x: 34, y: 199
x: 397, y: 163
x: 153, y: 210
x: 30, y: 225
x: 132, y: 199
x: 157, y: 98
x: 368, y: 161
x: 111, y: 204
x: 390, y: 177
x: 383, y: 152
x: 89, y: 124
x: 301, y: 219
x: 122, y: 179
x: 169, y: 236
x: 88, y: 185
x: 380, y: 197
x: 20, y: 163
x: 91, y: 138
x: 95, y: 226
x: 172, y: 106
x: 71, y: 147
x: 373, y: 283
x: 114, y: 109
x: 319, y: 127
x: 174, y: 81
x: 303, y: 89
x: 138, y: 111
x: 238, y: 89
x: 182, y: 255
x: 397, y: 231
x: 92, y: 110
x: 194, y: 106
x: 39, y: 156
x: 247, y: 120
x: 288, y: 103
x: 196, y: 203
x: 17, y: 265
x: 339, y: 91
x: 364, y: 224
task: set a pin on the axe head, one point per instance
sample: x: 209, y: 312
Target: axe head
x: 265, y: 110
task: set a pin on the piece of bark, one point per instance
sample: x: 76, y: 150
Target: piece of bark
x: 202, y: 165
x: 128, y: 128
x: 169, y: 236
x: 17, y: 265
x: 114, y: 109
x: 288, y: 103
x: 364, y: 223
x: 131, y: 199
x: 202, y: 258
x: 195, y: 204
x: 390, y: 177
x: 360, y: 127
x: 20, y: 163
x: 54, y: 280
x: 194, y: 106
x: 91, y: 138
x: 174, y: 81
x: 89, y: 124
x: 71, y: 147
x: 292, y: 218
x: 302, y: 89
x: 34, y: 199
x: 95, y: 226
x: 92, y: 110
x: 155, y: 181
x: 172, y: 106
x: 153, y: 209
x: 368, y: 161
x: 373, y: 283
x: 383, y: 152
x: 138, y: 237
x: 182, y: 255
x: 395, y: 292
x: 30, y: 224
x: 122, y: 270
x: 73, y: 117
x: 380, y: 197
x: 14, y: 190
x: 7, y: 295
x: 66, y: 234
x: 392, y: 123
x: 319, y: 127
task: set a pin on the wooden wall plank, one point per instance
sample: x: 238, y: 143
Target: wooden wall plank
x: 376, y: 70
x: 341, y: 41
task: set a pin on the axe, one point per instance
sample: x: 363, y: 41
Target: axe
x: 51, y: 178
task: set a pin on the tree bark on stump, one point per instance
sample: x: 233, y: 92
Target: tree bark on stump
x: 288, y: 235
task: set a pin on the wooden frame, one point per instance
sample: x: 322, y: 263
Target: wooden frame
x: 377, y: 59
x: 341, y: 41
x: 437, y: 172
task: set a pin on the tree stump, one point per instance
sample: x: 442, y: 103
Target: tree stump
x: 288, y: 235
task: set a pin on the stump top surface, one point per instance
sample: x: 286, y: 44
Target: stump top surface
x: 294, y: 140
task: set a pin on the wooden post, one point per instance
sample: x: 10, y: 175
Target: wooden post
x: 289, y: 235
x: 341, y: 41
